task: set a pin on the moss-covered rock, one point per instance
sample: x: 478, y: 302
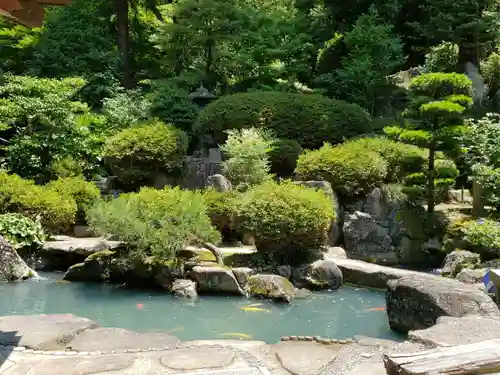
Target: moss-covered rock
x: 95, y: 268
x: 270, y: 286
x: 458, y: 260
x: 215, y: 279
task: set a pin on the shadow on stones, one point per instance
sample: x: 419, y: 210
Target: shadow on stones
x: 8, y: 340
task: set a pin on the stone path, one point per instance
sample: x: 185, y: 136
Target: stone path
x: 70, y: 345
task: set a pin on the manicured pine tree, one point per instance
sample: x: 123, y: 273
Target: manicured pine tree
x: 434, y: 120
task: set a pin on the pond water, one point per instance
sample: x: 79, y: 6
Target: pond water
x: 340, y: 314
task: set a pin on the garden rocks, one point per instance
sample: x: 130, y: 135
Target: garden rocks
x: 417, y: 301
x: 271, y: 286
x: 457, y: 260
x: 322, y: 274
x: 242, y: 274
x: 469, y: 276
x: 219, y: 183
x: 94, y: 269
x: 12, y: 267
x: 184, y: 288
x: 215, y: 279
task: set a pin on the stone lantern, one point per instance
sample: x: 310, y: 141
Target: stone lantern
x: 201, y: 97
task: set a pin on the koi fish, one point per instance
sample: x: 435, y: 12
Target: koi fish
x: 174, y: 330
x: 376, y: 309
x: 140, y: 306
x: 255, y: 305
x: 237, y: 334
x: 63, y: 282
x: 253, y: 309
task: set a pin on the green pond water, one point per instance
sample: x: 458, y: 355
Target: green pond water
x: 338, y: 314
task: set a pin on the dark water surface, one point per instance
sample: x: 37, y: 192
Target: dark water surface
x: 339, y: 314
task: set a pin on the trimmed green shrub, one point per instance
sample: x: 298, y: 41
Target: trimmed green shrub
x: 21, y: 231
x: 134, y: 154
x: 283, y: 156
x: 56, y: 212
x: 307, y: 118
x: 221, y: 209
x: 154, y: 222
x: 289, y: 222
x: 482, y: 236
x: 351, y: 170
x: 83, y: 192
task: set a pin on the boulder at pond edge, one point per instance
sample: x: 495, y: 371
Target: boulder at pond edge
x: 270, y: 286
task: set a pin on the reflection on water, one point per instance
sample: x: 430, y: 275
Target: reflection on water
x: 340, y: 314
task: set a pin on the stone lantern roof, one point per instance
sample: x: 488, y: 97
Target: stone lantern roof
x: 29, y: 13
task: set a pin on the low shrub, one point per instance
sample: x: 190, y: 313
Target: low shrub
x: 84, y: 193
x: 247, y: 160
x: 283, y: 157
x: 482, y: 236
x: 154, y: 222
x: 351, y: 170
x: 21, y: 231
x: 309, y: 119
x: 55, y: 211
x: 221, y: 211
x: 289, y: 222
x: 134, y: 154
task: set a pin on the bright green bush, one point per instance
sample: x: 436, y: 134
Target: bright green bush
x: 83, y: 192
x: 21, y: 231
x: 482, y: 236
x: 442, y: 58
x: 283, y: 156
x: 288, y: 221
x: 155, y: 222
x: 56, y: 212
x: 134, y: 154
x: 247, y: 160
x: 351, y: 170
x: 308, y: 119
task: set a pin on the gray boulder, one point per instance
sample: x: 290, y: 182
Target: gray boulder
x: 322, y: 274
x: 95, y: 268
x: 215, y: 279
x: 242, y: 274
x: 417, y: 301
x: 184, y: 288
x: 457, y: 260
x: 469, y: 276
x: 12, y: 267
x: 219, y: 183
x: 270, y: 286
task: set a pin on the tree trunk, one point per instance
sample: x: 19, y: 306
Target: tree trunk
x: 219, y: 257
x: 122, y: 22
x: 209, y: 62
x: 430, y: 180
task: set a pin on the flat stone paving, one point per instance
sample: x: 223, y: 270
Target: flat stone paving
x: 69, y: 345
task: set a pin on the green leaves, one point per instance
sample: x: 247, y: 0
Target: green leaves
x: 21, y: 231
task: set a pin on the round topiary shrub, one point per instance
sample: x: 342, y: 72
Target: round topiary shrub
x: 309, y: 119
x: 351, y: 169
x: 55, y: 211
x: 289, y: 222
x: 137, y: 153
x: 283, y: 157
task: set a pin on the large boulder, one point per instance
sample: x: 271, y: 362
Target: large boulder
x: 12, y: 267
x: 417, y: 301
x: 270, y: 286
x: 451, y: 331
x: 95, y: 268
x: 322, y: 274
x: 469, y: 276
x: 184, y: 288
x: 215, y: 279
x: 458, y: 260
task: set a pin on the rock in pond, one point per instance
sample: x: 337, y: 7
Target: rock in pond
x: 321, y: 274
x: 451, y: 331
x: 42, y: 332
x: 95, y: 268
x: 270, y: 286
x: 417, y: 301
x: 242, y: 274
x: 458, y: 260
x: 12, y: 267
x: 184, y: 288
x: 215, y: 279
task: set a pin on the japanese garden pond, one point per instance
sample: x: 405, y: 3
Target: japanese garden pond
x: 339, y: 314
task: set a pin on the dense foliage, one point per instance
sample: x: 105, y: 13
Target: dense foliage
x: 289, y: 222
x: 155, y: 222
x: 308, y: 119
x: 21, y: 231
